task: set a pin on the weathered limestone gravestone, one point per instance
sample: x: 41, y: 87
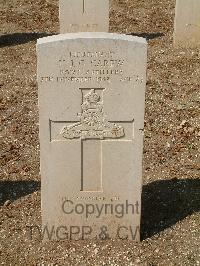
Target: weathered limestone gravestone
x: 91, y: 102
x: 84, y: 16
x: 187, y: 23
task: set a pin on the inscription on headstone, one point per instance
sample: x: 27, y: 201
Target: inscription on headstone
x: 187, y: 23
x: 84, y: 16
x: 91, y: 101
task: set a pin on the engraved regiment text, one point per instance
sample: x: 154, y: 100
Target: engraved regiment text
x: 86, y: 66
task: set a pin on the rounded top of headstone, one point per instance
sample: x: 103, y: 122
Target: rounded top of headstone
x: 91, y: 35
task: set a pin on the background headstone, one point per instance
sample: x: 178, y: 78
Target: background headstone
x: 91, y: 104
x: 187, y: 23
x: 84, y: 16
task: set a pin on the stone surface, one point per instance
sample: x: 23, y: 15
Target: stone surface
x: 187, y: 23
x: 91, y: 105
x: 84, y: 16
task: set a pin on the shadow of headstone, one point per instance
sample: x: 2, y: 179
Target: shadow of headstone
x: 20, y: 38
x: 165, y: 202
x: 12, y: 190
x: 148, y: 36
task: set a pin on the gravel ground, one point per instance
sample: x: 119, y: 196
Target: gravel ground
x: 171, y: 191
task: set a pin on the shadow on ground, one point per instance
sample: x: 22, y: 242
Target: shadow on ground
x: 20, y: 38
x: 12, y: 190
x: 148, y: 36
x: 166, y: 202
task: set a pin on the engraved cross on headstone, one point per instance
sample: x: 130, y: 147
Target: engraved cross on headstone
x: 83, y: 6
x: 91, y: 130
x: 84, y: 16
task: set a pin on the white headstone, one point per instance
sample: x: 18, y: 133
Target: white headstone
x: 91, y: 105
x: 187, y: 23
x: 84, y: 16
